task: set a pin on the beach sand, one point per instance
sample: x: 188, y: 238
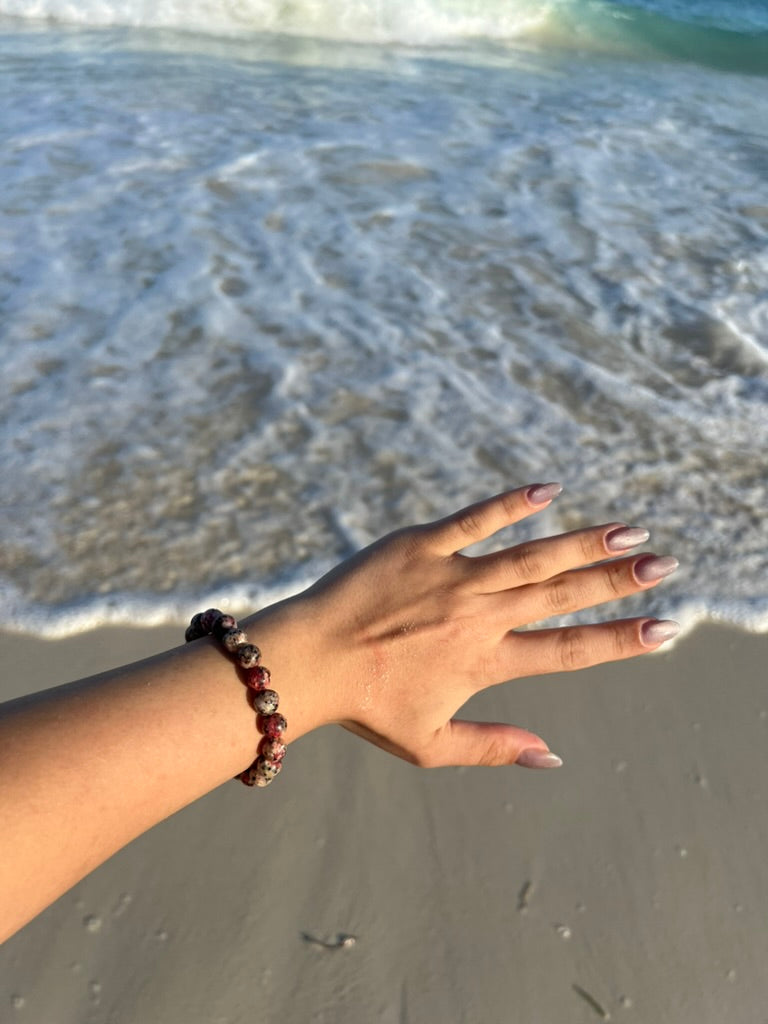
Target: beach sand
x: 630, y: 885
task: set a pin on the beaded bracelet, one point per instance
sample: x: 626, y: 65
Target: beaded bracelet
x: 256, y: 677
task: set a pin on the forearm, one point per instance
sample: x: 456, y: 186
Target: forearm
x: 87, y: 767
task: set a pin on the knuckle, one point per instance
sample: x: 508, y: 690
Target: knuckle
x: 470, y: 524
x: 616, y: 579
x: 510, y: 503
x: 529, y: 562
x: 590, y: 547
x: 411, y: 543
x: 573, y: 651
x: 493, y: 753
x: 619, y: 639
x: 559, y: 595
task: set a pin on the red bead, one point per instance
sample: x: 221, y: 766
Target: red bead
x: 274, y: 726
x: 195, y: 628
x: 273, y: 750
x: 258, y: 677
x: 209, y: 619
x: 223, y: 625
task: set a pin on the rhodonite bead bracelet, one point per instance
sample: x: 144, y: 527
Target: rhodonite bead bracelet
x: 263, y: 700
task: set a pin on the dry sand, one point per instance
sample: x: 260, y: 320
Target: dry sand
x: 630, y: 885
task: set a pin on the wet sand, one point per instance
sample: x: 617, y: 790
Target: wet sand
x: 630, y: 885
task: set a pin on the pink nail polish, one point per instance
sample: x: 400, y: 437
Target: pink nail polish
x: 539, y: 493
x: 654, y: 567
x: 625, y: 537
x: 658, y: 631
x: 534, y: 758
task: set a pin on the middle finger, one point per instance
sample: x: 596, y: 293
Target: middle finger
x: 538, y: 560
x: 583, y: 588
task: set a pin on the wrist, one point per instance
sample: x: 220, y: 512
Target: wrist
x: 283, y: 633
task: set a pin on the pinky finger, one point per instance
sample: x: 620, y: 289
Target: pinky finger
x: 539, y: 651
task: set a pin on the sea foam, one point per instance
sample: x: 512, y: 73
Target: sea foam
x: 263, y: 303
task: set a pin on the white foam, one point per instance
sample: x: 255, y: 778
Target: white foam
x: 257, y: 314
x: 416, y: 22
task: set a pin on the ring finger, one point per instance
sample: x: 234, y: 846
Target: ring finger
x: 584, y: 588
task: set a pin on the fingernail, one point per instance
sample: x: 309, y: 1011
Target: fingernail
x: 654, y: 567
x: 626, y: 537
x: 534, y: 758
x: 656, y: 632
x: 539, y: 493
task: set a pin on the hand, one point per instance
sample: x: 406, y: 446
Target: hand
x: 394, y: 641
x: 390, y: 644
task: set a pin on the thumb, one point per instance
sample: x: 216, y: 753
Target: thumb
x: 490, y: 744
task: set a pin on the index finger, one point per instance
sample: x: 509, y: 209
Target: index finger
x: 484, y: 518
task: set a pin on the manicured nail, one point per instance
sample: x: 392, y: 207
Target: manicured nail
x: 656, y: 632
x: 655, y: 567
x: 539, y: 493
x: 534, y: 758
x: 626, y: 537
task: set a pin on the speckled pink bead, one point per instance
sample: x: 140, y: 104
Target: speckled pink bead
x: 247, y: 655
x: 261, y: 772
x: 233, y: 639
x: 273, y: 750
x: 248, y: 777
x: 257, y: 677
x: 266, y: 702
x: 265, y: 771
x: 274, y: 726
x: 223, y: 625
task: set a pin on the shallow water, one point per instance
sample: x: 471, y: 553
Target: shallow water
x: 266, y: 298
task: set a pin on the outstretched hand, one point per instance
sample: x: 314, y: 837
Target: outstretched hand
x: 390, y: 645
x: 395, y: 640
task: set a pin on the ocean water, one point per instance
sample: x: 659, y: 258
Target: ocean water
x: 278, y: 278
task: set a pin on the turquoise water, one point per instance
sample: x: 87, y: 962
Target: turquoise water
x: 728, y: 36
x: 277, y: 279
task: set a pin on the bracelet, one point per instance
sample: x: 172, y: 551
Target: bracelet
x: 256, y: 677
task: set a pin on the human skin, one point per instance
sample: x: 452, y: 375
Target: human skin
x: 390, y: 645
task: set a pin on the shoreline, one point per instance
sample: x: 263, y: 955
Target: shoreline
x: 630, y: 883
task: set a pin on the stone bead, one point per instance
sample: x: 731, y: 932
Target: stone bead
x: 209, y: 619
x: 273, y: 750
x: 194, y: 631
x: 257, y: 677
x: 265, y: 771
x: 224, y: 625
x: 266, y: 702
x: 247, y: 655
x: 233, y: 639
x: 261, y: 772
x: 274, y: 726
x: 195, y: 628
x: 248, y: 776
